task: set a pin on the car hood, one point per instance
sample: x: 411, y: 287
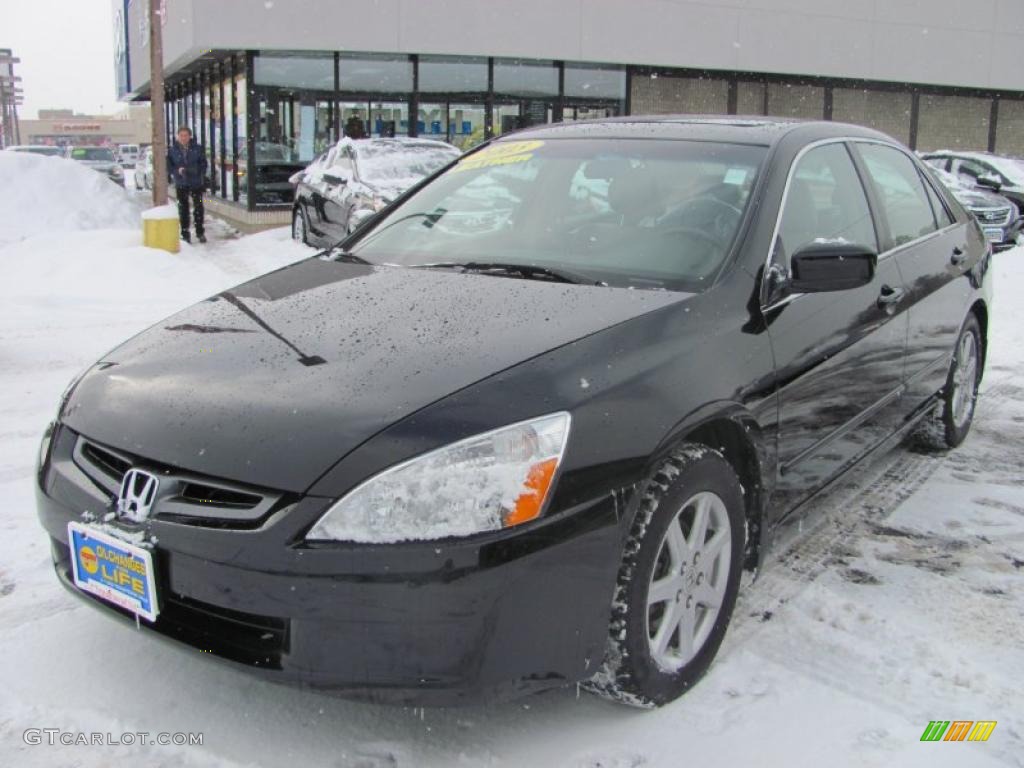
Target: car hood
x: 98, y: 165
x: 976, y: 198
x: 274, y: 381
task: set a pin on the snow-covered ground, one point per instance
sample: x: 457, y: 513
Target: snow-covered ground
x: 905, y: 606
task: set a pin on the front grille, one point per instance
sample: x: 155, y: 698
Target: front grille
x: 110, y: 464
x: 199, y: 493
x: 995, y: 217
x: 182, y: 497
x: 247, y: 638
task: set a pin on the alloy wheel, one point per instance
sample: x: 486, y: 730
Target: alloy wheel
x: 688, y: 584
x: 965, y: 379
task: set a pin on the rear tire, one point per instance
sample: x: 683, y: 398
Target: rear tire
x: 951, y: 422
x: 678, y: 580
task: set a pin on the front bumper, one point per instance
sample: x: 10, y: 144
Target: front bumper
x: 495, y: 616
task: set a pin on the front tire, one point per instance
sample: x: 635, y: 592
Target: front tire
x: 300, y: 229
x: 678, y: 580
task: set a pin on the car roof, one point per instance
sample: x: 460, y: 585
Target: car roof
x: 396, y: 141
x: 739, y: 129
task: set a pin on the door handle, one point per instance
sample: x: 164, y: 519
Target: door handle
x: 959, y: 256
x: 890, y: 297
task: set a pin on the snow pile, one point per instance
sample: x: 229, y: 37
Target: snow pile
x: 50, y: 194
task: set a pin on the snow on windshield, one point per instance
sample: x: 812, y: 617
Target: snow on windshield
x: 1010, y: 167
x: 392, y: 161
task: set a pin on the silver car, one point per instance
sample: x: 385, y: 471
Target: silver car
x: 100, y: 159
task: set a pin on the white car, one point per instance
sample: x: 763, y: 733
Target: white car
x: 128, y: 154
x: 144, y: 169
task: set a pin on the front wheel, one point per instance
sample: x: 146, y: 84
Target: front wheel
x: 300, y: 232
x: 678, y: 580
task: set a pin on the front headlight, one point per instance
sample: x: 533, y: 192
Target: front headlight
x: 483, y: 483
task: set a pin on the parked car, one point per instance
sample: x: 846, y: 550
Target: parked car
x: 143, y: 172
x: 999, y: 218
x: 508, y: 437
x: 984, y: 170
x: 356, y: 178
x: 100, y: 159
x: 37, y: 149
x: 128, y: 154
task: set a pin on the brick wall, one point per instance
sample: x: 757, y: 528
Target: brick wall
x: 886, y: 111
x: 668, y: 95
x: 953, y: 122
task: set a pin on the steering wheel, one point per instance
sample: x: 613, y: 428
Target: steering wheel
x: 713, y: 251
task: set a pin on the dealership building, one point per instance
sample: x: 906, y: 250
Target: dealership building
x: 263, y: 82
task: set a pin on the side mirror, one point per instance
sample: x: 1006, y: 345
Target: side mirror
x: 822, y: 267
x: 335, y: 179
x: 989, y: 181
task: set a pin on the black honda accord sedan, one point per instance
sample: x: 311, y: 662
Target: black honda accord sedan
x: 528, y: 425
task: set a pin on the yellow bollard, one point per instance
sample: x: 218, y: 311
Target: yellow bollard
x: 160, y: 228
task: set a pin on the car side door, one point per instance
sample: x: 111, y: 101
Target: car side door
x: 933, y: 251
x: 338, y: 193
x: 838, y: 355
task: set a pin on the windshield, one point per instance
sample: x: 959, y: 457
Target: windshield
x: 659, y: 214
x: 273, y: 153
x: 53, y: 151
x: 401, y: 160
x: 92, y: 153
x: 1010, y: 167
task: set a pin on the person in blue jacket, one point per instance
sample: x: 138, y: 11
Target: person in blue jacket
x: 186, y: 169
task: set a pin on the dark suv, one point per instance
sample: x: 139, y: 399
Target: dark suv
x: 984, y: 170
x: 528, y: 424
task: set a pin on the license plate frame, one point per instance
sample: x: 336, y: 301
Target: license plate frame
x: 114, y: 570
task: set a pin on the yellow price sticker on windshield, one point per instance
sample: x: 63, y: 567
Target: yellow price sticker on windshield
x: 503, y: 153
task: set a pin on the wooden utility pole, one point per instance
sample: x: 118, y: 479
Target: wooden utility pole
x: 156, y: 101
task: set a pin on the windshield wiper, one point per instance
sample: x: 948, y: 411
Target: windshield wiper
x: 528, y: 271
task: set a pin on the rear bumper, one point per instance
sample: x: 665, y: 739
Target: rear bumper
x: 436, y: 623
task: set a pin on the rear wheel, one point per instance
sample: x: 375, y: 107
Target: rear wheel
x: 678, y: 580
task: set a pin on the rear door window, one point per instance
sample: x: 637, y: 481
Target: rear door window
x: 901, y: 191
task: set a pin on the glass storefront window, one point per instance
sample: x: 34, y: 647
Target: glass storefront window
x: 506, y: 118
x: 452, y: 74
x: 518, y: 77
x: 590, y: 82
x: 389, y: 119
x: 465, y: 125
x: 354, y: 119
x: 240, y: 110
x: 295, y: 71
x: 432, y: 122
x: 375, y: 73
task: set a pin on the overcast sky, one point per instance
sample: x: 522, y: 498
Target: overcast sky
x: 66, y: 49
